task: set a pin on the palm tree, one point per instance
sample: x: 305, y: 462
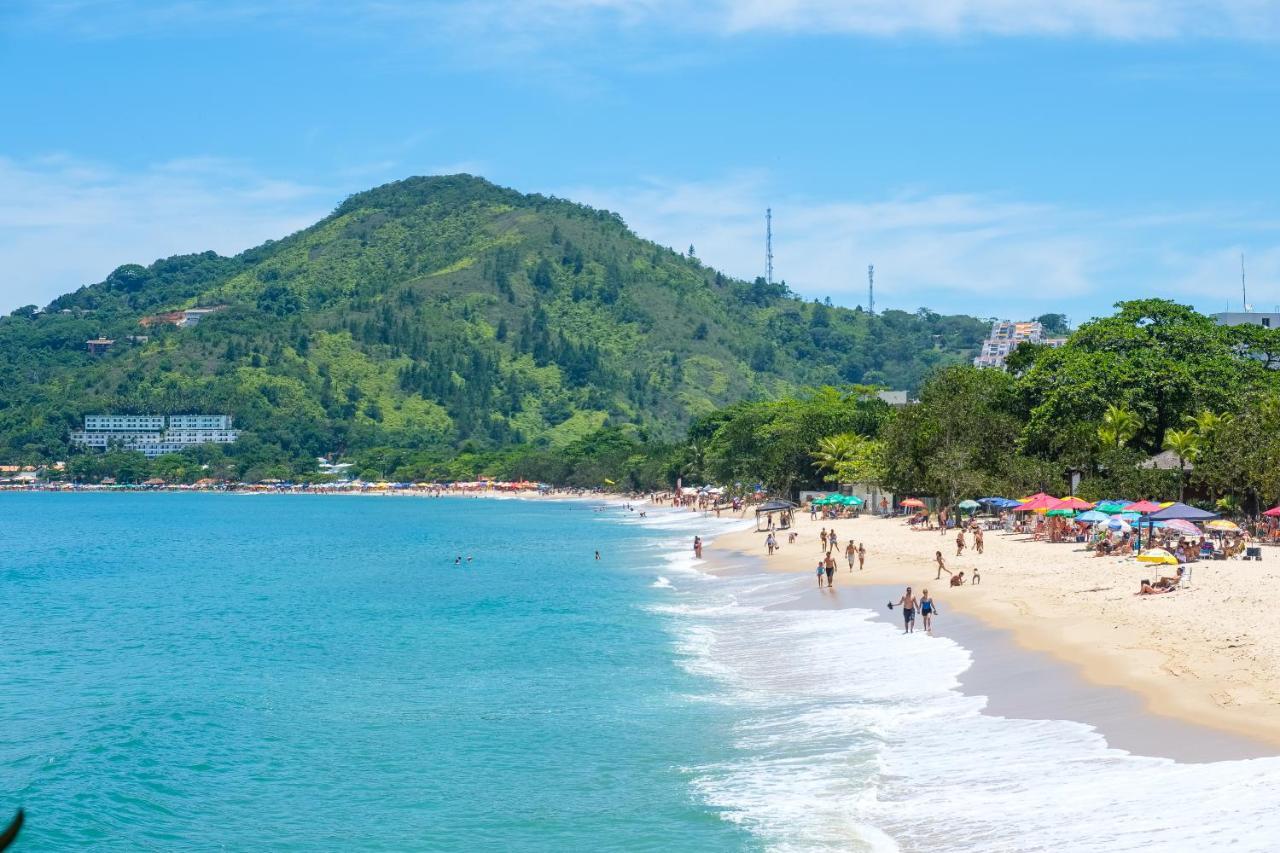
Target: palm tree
x: 836, y: 450
x: 1118, y: 427
x: 1207, y: 423
x: 1186, y: 444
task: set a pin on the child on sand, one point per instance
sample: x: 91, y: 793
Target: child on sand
x: 959, y: 541
x: 822, y: 570
x: 942, y: 565
x: 958, y: 580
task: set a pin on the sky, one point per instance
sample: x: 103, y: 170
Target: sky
x: 1001, y: 158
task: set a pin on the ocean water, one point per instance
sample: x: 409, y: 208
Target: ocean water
x: 218, y: 672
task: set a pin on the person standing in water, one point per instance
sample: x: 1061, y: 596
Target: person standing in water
x: 908, y: 603
x: 830, y: 565
x: 597, y: 555
x: 927, y: 611
x: 822, y: 570
x: 697, y: 547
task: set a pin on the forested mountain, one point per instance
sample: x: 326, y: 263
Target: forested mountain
x: 442, y: 314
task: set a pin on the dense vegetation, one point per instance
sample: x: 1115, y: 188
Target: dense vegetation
x: 1153, y: 377
x: 440, y: 328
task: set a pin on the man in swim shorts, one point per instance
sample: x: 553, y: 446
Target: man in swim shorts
x: 908, y: 603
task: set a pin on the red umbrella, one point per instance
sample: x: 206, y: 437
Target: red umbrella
x: 1042, y: 502
x: 1142, y: 507
x: 1037, y: 496
x: 1072, y: 502
x: 1273, y: 512
x: 915, y: 502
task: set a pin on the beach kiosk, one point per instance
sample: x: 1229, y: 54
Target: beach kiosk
x: 766, y: 511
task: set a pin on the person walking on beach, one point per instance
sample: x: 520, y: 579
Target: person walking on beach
x: 942, y: 565
x: 908, y: 603
x: 862, y: 555
x: 959, y: 541
x: 850, y: 553
x: 823, y: 537
x: 822, y: 570
x: 697, y: 547
x: 977, y: 539
x: 830, y: 565
x: 927, y: 611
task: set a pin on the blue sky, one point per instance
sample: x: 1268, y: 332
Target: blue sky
x: 994, y: 157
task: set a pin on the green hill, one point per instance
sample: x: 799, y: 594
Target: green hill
x: 442, y: 314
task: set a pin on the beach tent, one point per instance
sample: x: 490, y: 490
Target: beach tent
x: 768, y: 508
x: 1158, y: 556
x: 1181, y: 510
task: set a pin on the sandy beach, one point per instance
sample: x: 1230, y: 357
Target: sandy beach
x: 1207, y: 654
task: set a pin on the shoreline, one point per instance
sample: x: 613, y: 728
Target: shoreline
x: 1124, y: 681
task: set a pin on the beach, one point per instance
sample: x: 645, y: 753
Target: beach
x: 1207, y: 654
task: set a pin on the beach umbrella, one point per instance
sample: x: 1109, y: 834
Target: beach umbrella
x: 1143, y: 507
x: 853, y: 500
x: 1181, y: 510
x: 968, y: 505
x: 999, y: 503
x: 1183, y: 526
x: 1224, y: 525
x: 1072, y: 502
x: 1273, y: 512
x: 1037, y: 503
x: 1061, y: 512
x: 1119, y: 524
x: 1092, y: 516
x: 1158, y: 556
x: 915, y: 503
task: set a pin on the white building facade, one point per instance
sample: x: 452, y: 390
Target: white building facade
x: 154, y: 435
x: 1005, y: 337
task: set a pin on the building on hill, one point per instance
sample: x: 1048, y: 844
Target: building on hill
x: 154, y: 435
x: 1248, y: 318
x: 1005, y: 337
x: 98, y: 346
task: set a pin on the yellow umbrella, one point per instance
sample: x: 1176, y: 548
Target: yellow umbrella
x: 1158, y: 555
x: 1223, y: 524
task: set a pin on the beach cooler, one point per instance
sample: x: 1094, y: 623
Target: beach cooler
x: 1253, y: 552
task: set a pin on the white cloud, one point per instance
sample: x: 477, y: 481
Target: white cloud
x: 967, y: 253
x: 66, y: 222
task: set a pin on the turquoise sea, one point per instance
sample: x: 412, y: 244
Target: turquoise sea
x: 224, y: 672
x: 303, y: 673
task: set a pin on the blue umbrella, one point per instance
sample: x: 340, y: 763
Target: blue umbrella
x: 999, y: 503
x: 1092, y: 516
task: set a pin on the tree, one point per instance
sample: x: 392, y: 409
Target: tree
x: 1186, y: 444
x: 1118, y: 427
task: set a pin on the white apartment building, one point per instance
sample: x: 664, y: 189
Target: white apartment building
x: 154, y: 435
x: 1005, y: 337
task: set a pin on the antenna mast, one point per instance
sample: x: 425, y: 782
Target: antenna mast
x: 871, y: 288
x: 768, y: 245
x: 1244, y: 294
